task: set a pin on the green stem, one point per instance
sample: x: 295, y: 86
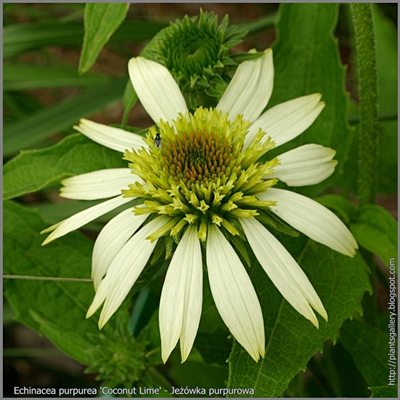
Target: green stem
x: 368, y: 94
x: 368, y: 129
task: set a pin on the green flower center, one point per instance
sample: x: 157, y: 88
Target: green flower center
x: 196, y: 172
x: 197, y: 159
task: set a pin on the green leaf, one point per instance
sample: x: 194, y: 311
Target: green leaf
x: 369, y: 348
x: 384, y: 391
x: 33, y: 170
x: 101, y: 21
x: 305, y: 54
x: 17, y: 105
x: 40, y: 303
x: 291, y: 340
x: 387, y: 64
x: 388, y: 145
x: 8, y: 314
x: 68, y: 341
x: 20, y: 38
x: 26, y: 76
x: 209, y: 379
x: 213, y: 339
x: 376, y: 231
x: 327, y: 375
x: 386, y: 54
x: 342, y: 207
x: 214, y: 347
x: 37, y: 126
x: 57, y: 308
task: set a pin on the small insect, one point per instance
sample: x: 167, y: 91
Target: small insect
x: 157, y: 140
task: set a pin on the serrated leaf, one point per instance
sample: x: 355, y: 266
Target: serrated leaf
x: 36, y: 169
x: 368, y: 347
x: 56, y: 309
x: 376, y: 231
x: 305, y: 54
x: 40, y: 304
x: 101, y: 21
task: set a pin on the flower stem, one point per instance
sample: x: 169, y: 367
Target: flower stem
x: 367, y: 130
x: 368, y: 94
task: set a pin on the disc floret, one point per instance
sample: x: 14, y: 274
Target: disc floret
x: 200, y: 173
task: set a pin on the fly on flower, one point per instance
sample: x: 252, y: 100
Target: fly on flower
x: 157, y: 140
x: 206, y: 183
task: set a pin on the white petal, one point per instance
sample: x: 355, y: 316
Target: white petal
x: 305, y: 165
x: 312, y: 219
x: 98, y: 184
x: 124, y: 271
x: 181, y: 296
x: 283, y: 270
x: 83, y: 217
x: 250, y: 88
x: 113, y: 138
x: 234, y: 295
x: 157, y: 90
x: 111, y: 239
x: 287, y: 120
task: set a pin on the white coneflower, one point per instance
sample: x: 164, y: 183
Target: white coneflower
x: 200, y: 178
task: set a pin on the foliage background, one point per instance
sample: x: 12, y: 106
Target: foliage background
x: 44, y: 96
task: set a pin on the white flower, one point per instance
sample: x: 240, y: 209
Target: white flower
x: 202, y: 180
